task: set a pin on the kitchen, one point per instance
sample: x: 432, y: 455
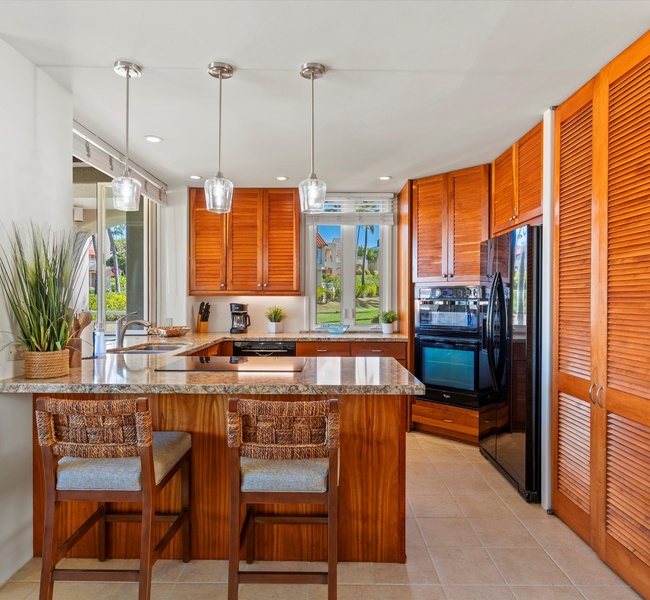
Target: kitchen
x: 174, y: 301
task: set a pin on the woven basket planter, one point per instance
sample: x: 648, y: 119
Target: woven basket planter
x: 42, y: 365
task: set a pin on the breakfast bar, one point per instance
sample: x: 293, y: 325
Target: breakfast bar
x: 372, y: 394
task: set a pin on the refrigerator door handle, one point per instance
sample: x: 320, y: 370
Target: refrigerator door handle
x: 490, y: 333
x: 503, y: 330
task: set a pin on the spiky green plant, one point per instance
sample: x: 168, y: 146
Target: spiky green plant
x: 275, y: 314
x: 39, y: 271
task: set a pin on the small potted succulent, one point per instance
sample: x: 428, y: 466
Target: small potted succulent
x: 387, y: 319
x: 275, y: 315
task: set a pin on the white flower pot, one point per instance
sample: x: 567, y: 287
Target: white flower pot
x: 387, y: 327
x: 275, y: 327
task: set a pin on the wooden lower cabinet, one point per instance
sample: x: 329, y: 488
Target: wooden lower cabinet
x: 322, y: 349
x: 396, y: 350
x: 220, y: 349
x: 444, y: 420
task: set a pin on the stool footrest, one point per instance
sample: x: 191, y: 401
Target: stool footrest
x: 290, y: 519
x: 282, y: 577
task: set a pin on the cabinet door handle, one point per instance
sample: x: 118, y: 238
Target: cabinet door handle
x: 321, y: 350
x: 447, y: 421
x: 444, y: 274
x: 513, y: 217
x: 259, y: 285
x: 450, y: 275
x: 266, y: 284
x: 600, y: 389
x: 591, y: 397
x: 375, y: 350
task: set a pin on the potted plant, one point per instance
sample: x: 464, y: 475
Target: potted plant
x: 39, y: 275
x: 387, y: 319
x: 275, y: 315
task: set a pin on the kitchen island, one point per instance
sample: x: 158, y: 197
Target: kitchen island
x: 372, y: 395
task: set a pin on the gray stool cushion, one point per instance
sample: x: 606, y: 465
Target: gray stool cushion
x: 261, y: 475
x: 122, y: 473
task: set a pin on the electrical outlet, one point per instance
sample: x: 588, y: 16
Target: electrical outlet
x: 15, y: 353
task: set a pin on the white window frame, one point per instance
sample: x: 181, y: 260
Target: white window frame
x: 348, y: 219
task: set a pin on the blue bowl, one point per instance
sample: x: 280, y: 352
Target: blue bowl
x: 335, y: 328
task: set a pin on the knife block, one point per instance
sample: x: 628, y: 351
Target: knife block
x: 201, y: 326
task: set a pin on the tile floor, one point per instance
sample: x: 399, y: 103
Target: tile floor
x: 469, y: 536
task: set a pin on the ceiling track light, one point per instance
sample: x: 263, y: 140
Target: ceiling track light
x: 126, y: 190
x: 218, y: 189
x: 312, y: 190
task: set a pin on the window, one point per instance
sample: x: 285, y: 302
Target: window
x: 350, y: 247
x: 121, y: 264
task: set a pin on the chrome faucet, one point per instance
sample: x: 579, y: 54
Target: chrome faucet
x: 121, y: 327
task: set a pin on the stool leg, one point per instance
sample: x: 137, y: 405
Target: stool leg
x: 233, y: 547
x: 250, y: 536
x: 186, y: 482
x: 146, y: 548
x: 101, y: 533
x: 49, y: 551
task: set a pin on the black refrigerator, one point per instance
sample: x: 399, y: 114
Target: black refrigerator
x: 509, y: 413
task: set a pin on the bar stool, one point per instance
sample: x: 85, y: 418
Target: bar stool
x: 281, y: 453
x: 105, y: 451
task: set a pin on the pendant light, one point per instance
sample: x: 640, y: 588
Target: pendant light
x: 126, y: 190
x: 218, y: 189
x: 312, y: 190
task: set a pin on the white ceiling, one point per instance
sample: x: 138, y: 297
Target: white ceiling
x: 414, y: 88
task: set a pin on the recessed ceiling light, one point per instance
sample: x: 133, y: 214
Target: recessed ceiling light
x: 154, y: 139
x: 282, y: 178
x: 195, y: 177
x: 385, y: 177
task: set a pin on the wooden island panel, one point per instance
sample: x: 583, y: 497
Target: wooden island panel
x: 371, y: 490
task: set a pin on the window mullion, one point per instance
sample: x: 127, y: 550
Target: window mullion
x: 348, y: 273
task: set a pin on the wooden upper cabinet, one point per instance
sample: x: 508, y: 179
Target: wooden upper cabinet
x: 207, y: 251
x: 517, y: 183
x: 258, y: 251
x: 450, y: 221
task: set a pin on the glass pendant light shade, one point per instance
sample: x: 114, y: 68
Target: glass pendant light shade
x: 126, y: 193
x: 218, y: 194
x: 312, y: 195
x: 126, y: 190
x: 312, y: 190
x: 218, y: 189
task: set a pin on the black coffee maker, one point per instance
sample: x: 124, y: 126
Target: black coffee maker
x: 240, y: 319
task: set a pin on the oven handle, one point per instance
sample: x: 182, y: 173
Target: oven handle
x: 448, y: 340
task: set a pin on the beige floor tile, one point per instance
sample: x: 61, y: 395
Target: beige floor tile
x: 583, y: 567
x: 448, y: 532
x: 417, y: 570
x: 413, y: 534
x: 425, y: 485
x: 409, y: 592
x: 129, y: 591
x: 344, y: 592
x: 64, y: 590
x: 527, y: 566
x: 30, y: 571
x: 609, y: 593
x: 465, y: 566
x: 548, y: 592
x: 267, y: 591
x: 18, y: 590
x: 485, y: 506
x: 361, y: 573
x: 438, y: 505
x: 200, y: 591
x: 168, y: 570
x: 503, y: 533
x: 421, y: 468
x: 478, y: 592
x: 92, y: 563
x: 276, y: 565
x: 204, y: 571
x: 522, y: 509
x: 552, y: 533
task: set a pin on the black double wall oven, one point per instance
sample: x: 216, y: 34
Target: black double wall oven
x: 450, y: 324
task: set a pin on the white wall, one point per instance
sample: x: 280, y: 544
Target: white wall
x: 36, y: 176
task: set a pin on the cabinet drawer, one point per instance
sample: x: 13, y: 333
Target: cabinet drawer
x: 394, y: 349
x: 448, y: 421
x: 322, y: 348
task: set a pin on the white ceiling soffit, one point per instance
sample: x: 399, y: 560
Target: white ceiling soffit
x: 413, y: 88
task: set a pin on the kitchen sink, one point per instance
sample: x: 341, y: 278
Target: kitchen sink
x: 151, y: 348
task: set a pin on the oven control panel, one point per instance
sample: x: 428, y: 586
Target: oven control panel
x: 434, y: 293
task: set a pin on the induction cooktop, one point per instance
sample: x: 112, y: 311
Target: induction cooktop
x: 265, y: 364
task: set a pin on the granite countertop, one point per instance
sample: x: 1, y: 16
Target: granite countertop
x: 135, y: 373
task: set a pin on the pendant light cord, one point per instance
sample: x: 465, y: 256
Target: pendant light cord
x: 312, y: 124
x: 219, y: 130
x: 126, y: 157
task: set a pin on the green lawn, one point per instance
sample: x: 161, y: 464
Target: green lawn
x: 367, y: 311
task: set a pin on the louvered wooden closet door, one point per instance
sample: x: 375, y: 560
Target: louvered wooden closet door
x: 572, y: 466
x: 207, y: 247
x: 469, y: 192
x: 625, y: 501
x: 430, y: 225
